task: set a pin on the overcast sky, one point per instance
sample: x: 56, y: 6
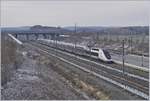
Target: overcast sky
x: 65, y: 13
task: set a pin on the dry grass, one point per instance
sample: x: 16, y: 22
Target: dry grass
x: 10, y: 60
x: 91, y: 90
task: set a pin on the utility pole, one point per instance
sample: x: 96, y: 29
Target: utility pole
x: 75, y: 28
x: 89, y: 45
x: 142, y: 51
x: 75, y: 31
x: 123, y: 59
x: 131, y: 42
x: 142, y: 59
x: 56, y: 40
x: 56, y: 43
x: 97, y: 37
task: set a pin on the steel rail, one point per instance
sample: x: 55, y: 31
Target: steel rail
x: 135, y: 91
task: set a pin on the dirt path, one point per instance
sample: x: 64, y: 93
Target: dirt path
x: 34, y: 81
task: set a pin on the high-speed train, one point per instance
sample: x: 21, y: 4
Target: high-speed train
x: 94, y: 52
x: 101, y: 54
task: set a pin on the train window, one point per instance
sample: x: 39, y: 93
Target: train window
x: 94, y: 54
x: 107, y: 54
x: 95, y: 49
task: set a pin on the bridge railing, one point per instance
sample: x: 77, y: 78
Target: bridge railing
x: 15, y: 39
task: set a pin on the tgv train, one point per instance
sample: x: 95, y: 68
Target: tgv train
x: 100, y: 54
x: 94, y: 52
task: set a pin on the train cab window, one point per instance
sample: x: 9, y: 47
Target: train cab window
x: 94, y: 54
x: 107, y: 54
x: 95, y: 49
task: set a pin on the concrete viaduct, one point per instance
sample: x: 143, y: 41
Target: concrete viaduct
x: 36, y: 34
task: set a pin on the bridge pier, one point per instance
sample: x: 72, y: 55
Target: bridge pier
x: 49, y: 36
x: 16, y: 36
x: 52, y: 36
x: 27, y: 36
x: 36, y: 36
x: 44, y: 35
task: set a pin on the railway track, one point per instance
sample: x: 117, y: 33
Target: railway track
x: 132, y: 84
x: 144, y: 75
x: 138, y: 73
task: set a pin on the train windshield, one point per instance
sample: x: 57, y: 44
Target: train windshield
x: 107, y: 54
x: 95, y: 49
x: 94, y: 54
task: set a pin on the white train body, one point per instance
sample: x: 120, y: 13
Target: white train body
x: 97, y: 53
x: 101, y: 54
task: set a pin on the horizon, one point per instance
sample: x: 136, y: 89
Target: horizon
x: 76, y: 26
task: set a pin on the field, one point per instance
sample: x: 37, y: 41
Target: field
x: 134, y: 44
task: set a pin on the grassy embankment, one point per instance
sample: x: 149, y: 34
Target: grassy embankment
x: 10, y: 59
